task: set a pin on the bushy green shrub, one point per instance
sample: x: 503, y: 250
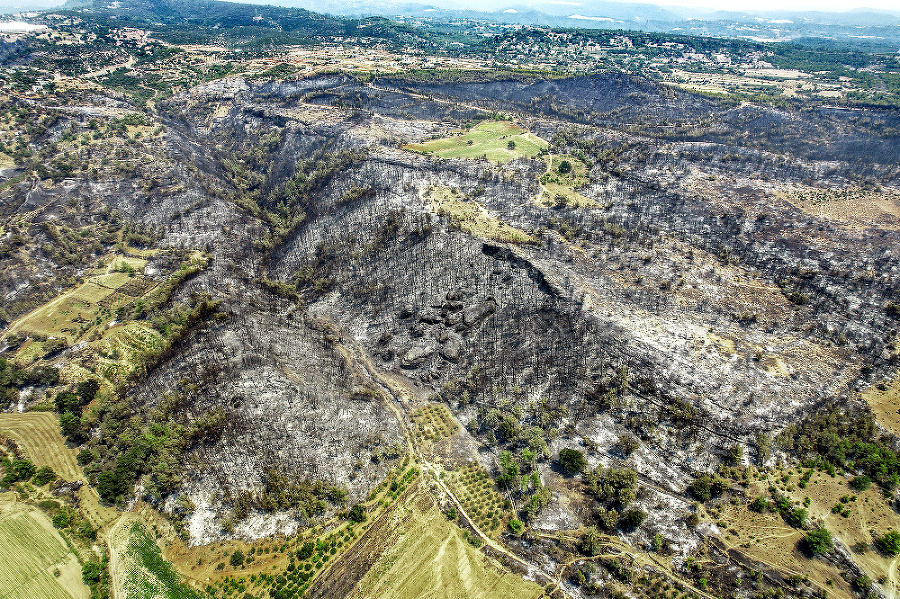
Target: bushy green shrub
x: 861, y: 483
x: 17, y: 470
x: 889, y: 543
x: 818, y: 541
x: 706, y: 486
x: 44, y: 475
x: 631, y: 519
x: 572, y: 461
x: 237, y: 558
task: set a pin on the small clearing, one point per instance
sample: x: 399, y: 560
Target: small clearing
x: 565, y: 174
x: 498, y: 141
x: 884, y: 399
x: 472, y: 218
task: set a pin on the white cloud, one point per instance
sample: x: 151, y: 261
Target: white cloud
x: 585, y: 18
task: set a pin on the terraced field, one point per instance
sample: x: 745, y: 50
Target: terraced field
x: 37, y: 433
x: 71, y: 314
x: 121, y: 348
x: 35, y: 562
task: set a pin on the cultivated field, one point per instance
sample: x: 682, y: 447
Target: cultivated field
x: 854, y: 207
x: 431, y: 558
x: 35, y: 562
x: 499, y: 141
x: 137, y: 568
x: 476, y: 490
x: 433, y: 423
x: 37, y: 434
x: 72, y: 312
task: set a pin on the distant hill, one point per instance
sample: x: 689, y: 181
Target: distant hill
x: 873, y: 29
x: 8, y: 7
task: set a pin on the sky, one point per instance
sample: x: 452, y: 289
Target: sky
x: 7, y: 6
x: 783, y: 5
x: 739, y: 5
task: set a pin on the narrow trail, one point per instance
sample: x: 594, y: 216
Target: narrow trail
x: 892, y: 578
x: 113, y: 540
x: 398, y: 389
x: 623, y: 549
x: 428, y: 98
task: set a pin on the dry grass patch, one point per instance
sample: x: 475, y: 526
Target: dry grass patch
x: 766, y: 537
x: 884, y: 399
x: 472, y: 218
x: 37, y: 433
x: 855, y: 207
x: 862, y: 514
x: 432, y: 558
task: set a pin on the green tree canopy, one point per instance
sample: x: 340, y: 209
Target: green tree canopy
x: 572, y: 461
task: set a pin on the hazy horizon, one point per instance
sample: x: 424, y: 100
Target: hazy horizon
x: 836, y: 6
x: 706, y: 5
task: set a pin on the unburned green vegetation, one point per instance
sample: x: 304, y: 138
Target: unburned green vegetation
x: 845, y: 441
x: 565, y: 175
x: 498, y: 141
x: 479, y: 496
x: 150, y: 576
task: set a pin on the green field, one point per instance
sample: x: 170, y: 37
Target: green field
x: 558, y: 189
x: 147, y: 575
x: 488, y: 139
x: 35, y: 562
